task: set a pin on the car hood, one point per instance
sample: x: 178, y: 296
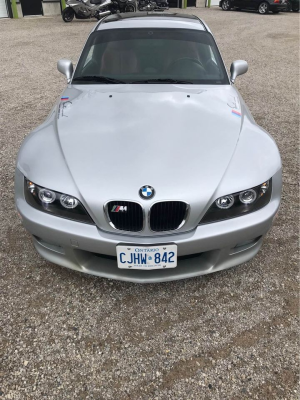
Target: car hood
x: 179, y: 141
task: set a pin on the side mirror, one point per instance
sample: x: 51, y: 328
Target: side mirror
x: 238, y: 67
x: 66, y: 68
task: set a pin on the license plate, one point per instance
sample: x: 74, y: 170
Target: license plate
x: 147, y: 257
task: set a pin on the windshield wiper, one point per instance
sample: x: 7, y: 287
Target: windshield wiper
x: 98, y: 79
x: 163, y: 80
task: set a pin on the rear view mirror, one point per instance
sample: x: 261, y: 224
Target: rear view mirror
x: 238, y: 67
x: 66, y: 68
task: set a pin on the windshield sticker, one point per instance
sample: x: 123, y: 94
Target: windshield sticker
x: 237, y: 113
x: 64, y: 98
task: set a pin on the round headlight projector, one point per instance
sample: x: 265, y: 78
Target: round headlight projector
x: 248, y: 196
x: 225, y: 202
x: 68, y: 201
x: 46, y: 196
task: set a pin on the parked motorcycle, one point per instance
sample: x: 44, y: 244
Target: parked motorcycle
x: 123, y: 6
x: 84, y: 9
x: 153, y: 5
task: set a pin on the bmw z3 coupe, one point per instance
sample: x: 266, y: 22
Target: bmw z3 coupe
x: 150, y: 166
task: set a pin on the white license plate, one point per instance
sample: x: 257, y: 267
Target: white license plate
x: 147, y: 257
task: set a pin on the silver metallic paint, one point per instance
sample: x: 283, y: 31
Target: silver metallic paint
x: 238, y: 67
x: 74, y: 242
x: 87, y: 8
x: 65, y: 67
x: 193, y: 149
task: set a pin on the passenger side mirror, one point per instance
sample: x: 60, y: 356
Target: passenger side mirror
x: 238, y: 67
x: 66, y: 68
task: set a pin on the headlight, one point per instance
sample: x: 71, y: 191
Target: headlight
x: 248, y: 196
x: 237, y: 204
x: 225, y: 202
x: 58, y: 204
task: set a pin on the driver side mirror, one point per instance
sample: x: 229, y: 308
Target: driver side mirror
x: 66, y: 68
x: 238, y: 67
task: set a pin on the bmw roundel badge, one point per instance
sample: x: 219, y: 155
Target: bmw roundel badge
x: 147, y: 192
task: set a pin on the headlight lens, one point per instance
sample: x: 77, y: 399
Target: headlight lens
x: 225, y: 202
x: 46, y: 196
x: 248, y: 196
x: 68, y: 201
x: 237, y: 204
x: 56, y: 203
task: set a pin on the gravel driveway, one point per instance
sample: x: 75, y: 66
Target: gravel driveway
x: 230, y: 335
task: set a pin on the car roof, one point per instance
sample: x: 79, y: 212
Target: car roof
x: 151, y: 19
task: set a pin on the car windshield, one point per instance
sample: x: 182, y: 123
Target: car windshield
x: 150, y: 56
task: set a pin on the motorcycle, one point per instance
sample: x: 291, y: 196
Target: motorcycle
x: 84, y: 9
x: 123, y: 6
x: 153, y: 5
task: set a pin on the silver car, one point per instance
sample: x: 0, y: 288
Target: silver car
x: 150, y: 166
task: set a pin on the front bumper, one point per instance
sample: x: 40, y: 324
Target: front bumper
x: 206, y: 249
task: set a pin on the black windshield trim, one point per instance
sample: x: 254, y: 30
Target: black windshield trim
x: 162, y: 81
x: 98, y: 79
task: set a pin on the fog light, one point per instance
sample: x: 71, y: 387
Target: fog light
x: 46, y: 196
x: 68, y: 201
x: 225, y: 202
x: 248, y: 196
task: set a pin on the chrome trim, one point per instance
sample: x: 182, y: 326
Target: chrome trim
x: 120, y: 230
x: 186, y: 216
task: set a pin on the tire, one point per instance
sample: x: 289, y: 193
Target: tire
x: 226, y: 5
x: 296, y: 10
x: 263, y: 8
x: 288, y: 6
x: 68, y: 14
x: 130, y: 8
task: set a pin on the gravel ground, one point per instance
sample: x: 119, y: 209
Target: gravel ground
x: 231, y: 335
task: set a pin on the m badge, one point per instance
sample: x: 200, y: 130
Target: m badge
x: 119, y: 209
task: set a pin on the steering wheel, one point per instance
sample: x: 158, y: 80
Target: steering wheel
x: 186, y: 61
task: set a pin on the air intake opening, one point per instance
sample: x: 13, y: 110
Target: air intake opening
x: 125, y: 215
x: 168, y: 215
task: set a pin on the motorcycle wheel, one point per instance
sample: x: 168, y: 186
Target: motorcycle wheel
x: 130, y: 8
x: 288, y: 6
x: 68, y: 14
